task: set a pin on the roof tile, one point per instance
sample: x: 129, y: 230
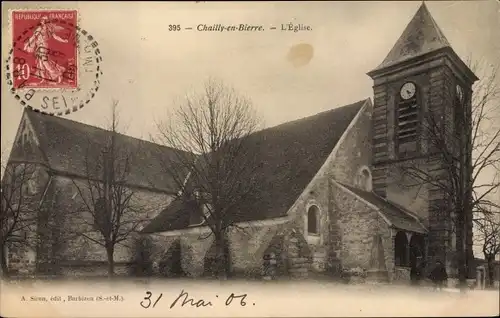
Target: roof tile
x: 395, y: 214
x: 422, y: 35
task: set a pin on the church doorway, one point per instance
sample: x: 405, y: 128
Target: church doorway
x: 400, y: 249
x: 417, y: 257
x: 417, y: 249
x: 409, y: 255
x: 409, y: 248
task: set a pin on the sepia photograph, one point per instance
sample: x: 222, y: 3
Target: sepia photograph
x: 250, y: 159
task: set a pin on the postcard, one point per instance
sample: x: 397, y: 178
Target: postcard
x: 250, y: 159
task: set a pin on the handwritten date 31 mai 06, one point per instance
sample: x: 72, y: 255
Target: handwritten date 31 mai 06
x: 184, y: 300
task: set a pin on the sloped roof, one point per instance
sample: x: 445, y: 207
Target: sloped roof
x: 289, y: 156
x: 69, y: 146
x: 395, y: 214
x: 176, y: 216
x: 422, y: 35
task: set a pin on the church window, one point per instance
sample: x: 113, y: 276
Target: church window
x: 313, y: 220
x: 459, y: 120
x: 401, y: 256
x: 407, y: 116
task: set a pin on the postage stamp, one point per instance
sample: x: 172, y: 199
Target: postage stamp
x: 54, y: 65
x: 46, y: 54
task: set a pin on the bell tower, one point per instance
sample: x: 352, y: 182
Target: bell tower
x: 417, y: 89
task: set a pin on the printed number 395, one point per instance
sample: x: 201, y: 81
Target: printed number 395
x: 174, y: 27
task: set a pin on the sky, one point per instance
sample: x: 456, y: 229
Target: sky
x: 146, y: 67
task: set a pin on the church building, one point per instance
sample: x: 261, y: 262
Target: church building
x: 334, y: 195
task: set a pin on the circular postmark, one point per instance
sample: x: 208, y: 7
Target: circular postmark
x: 54, y: 65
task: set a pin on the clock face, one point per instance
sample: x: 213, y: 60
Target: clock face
x: 408, y: 90
x: 460, y: 93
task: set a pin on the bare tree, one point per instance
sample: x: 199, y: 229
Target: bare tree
x: 212, y: 127
x: 29, y: 218
x: 18, y: 215
x: 107, y: 214
x: 463, y: 141
x: 487, y: 224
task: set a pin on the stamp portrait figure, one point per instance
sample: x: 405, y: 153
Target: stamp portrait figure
x: 38, y: 44
x: 44, y: 49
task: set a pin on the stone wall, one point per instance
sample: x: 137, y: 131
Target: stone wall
x: 278, y: 254
x: 388, y: 180
x: 354, y: 151
x: 21, y: 259
x: 144, y: 204
x: 318, y: 195
x: 66, y: 236
x: 401, y: 275
x: 248, y: 246
x: 406, y: 191
x: 299, y: 256
x: 386, y: 91
x: 387, y: 235
x: 161, y: 253
x: 194, y: 249
x: 358, y: 224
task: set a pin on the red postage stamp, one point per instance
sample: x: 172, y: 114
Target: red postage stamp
x: 44, y: 49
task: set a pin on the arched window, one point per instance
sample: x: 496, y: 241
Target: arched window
x: 407, y: 118
x: 461, y: 114
x: 365, y: 179
x: 313, y: 220
x: 400, y: 249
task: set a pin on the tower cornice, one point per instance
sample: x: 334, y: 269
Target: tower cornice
x: 441, y: 56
